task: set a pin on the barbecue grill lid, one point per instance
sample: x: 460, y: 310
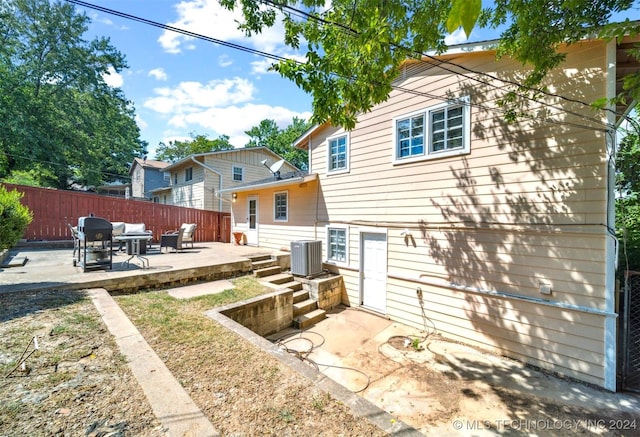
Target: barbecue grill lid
x: 86, y: 223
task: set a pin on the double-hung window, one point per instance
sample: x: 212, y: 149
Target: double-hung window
x: 434, y: 132
x: 188, y: 174
x: 281, y: 206
x: 237, y: 174
x: 338, y: 148
x: 337, y: 246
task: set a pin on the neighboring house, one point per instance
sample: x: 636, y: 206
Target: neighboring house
x: 116, y: 189
x: 147, y: 176
x: 195, y: 181
x: 441, y: 215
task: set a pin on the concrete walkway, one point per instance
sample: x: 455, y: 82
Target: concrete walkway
x: 180, y: 417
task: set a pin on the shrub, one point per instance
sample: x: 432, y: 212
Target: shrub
x: 14, y: 218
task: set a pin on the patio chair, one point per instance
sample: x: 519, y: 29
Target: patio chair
x: 172, y: 239
x: 76, y: 240
x: 188, y: 230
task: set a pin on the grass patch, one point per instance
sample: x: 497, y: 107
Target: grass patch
x: 241, y: 388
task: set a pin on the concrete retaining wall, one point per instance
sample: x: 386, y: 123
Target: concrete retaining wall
x: 264, y: 315
x: 329, y: 292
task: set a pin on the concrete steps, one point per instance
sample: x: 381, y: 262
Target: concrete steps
x: 305, y: 310
x: 266, y: 272
x: 309, y: 319
x: 304, y: 307
x: 300, y: 295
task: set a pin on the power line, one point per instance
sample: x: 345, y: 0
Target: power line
x: 354, y: 32
x: 436, y: 62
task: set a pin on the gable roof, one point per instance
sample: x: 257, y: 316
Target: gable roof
x: 262, y: 149
x: 148, y: 163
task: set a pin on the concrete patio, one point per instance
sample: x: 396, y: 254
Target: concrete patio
x: 352, y: 347
x: 50, y: 266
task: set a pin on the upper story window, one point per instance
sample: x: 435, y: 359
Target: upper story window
x: 281, y: 206
x: 434, y: 132
x: 338, y: 149
x: 175, y: 178
x: 237, y: 174
x: 188, y: 174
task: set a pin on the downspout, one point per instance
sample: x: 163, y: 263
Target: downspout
x: 610, y: 323
x: 212, y: 170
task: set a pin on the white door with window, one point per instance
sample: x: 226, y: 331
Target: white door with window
x: 252, y: 220
x: 373, y: 271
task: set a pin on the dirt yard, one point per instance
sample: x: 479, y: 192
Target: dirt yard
x: 77, y: 383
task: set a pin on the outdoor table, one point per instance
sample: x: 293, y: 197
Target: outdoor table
x: 135, y: 241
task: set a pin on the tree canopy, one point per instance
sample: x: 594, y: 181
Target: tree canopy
x: 628, y: 198
x: 354, y: 50
x: 177, y: 150
x: 280, y: 141
x: 61, y: 122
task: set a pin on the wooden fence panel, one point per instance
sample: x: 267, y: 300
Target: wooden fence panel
x: 54, y: 210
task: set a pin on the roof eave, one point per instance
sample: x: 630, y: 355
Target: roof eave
x: 272, y: 184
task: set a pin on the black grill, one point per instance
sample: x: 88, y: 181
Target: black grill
x: 94, y: 239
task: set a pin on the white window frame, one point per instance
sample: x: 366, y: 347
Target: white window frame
x: 188, y: 174
x: 275, y: 206
x: 334, y: 261
x: 428, y: 153
x: 233, y: 173
x: 347, y: 138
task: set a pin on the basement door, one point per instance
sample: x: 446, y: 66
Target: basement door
x: 373, y: 271
x: 252, y: 220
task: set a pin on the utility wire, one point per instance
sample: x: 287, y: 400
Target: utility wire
x: 354, y: 32
x: 436, y: 62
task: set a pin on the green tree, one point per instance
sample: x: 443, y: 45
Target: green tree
x: 280, y: 141
x: 354, y: 50
x: 177, y: 150
x: 14, y: 218
x: 628, y: 200
x: 58, y: 114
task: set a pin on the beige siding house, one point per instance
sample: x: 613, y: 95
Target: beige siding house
x: 439, y: 213
x: 196, y: 181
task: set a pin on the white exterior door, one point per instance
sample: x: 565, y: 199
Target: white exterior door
x: 252, y: 220
x: 373, y: 271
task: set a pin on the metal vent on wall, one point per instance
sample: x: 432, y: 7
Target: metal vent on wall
x: 306, y: 257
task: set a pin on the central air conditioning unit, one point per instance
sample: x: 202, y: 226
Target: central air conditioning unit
x: 306, y: 257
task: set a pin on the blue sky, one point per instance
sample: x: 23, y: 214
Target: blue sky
x: 181, y: 85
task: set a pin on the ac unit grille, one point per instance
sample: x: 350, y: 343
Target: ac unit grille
x: 306, y: 257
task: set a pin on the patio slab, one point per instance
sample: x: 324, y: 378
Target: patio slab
x: 52, y: 268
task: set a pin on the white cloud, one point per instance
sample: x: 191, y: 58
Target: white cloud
x: 140, y: 122
x: 113, y: 79
x: 158, y: 74
x: 189, y: 97
x: 457, y: 37
x: 208, y: 18
x: 234, y: 120
x: 225, y: 61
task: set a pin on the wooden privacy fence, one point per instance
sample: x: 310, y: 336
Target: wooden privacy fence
x: 54, y: 210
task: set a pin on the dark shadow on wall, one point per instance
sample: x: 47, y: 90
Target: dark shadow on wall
x: 512, y: 223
